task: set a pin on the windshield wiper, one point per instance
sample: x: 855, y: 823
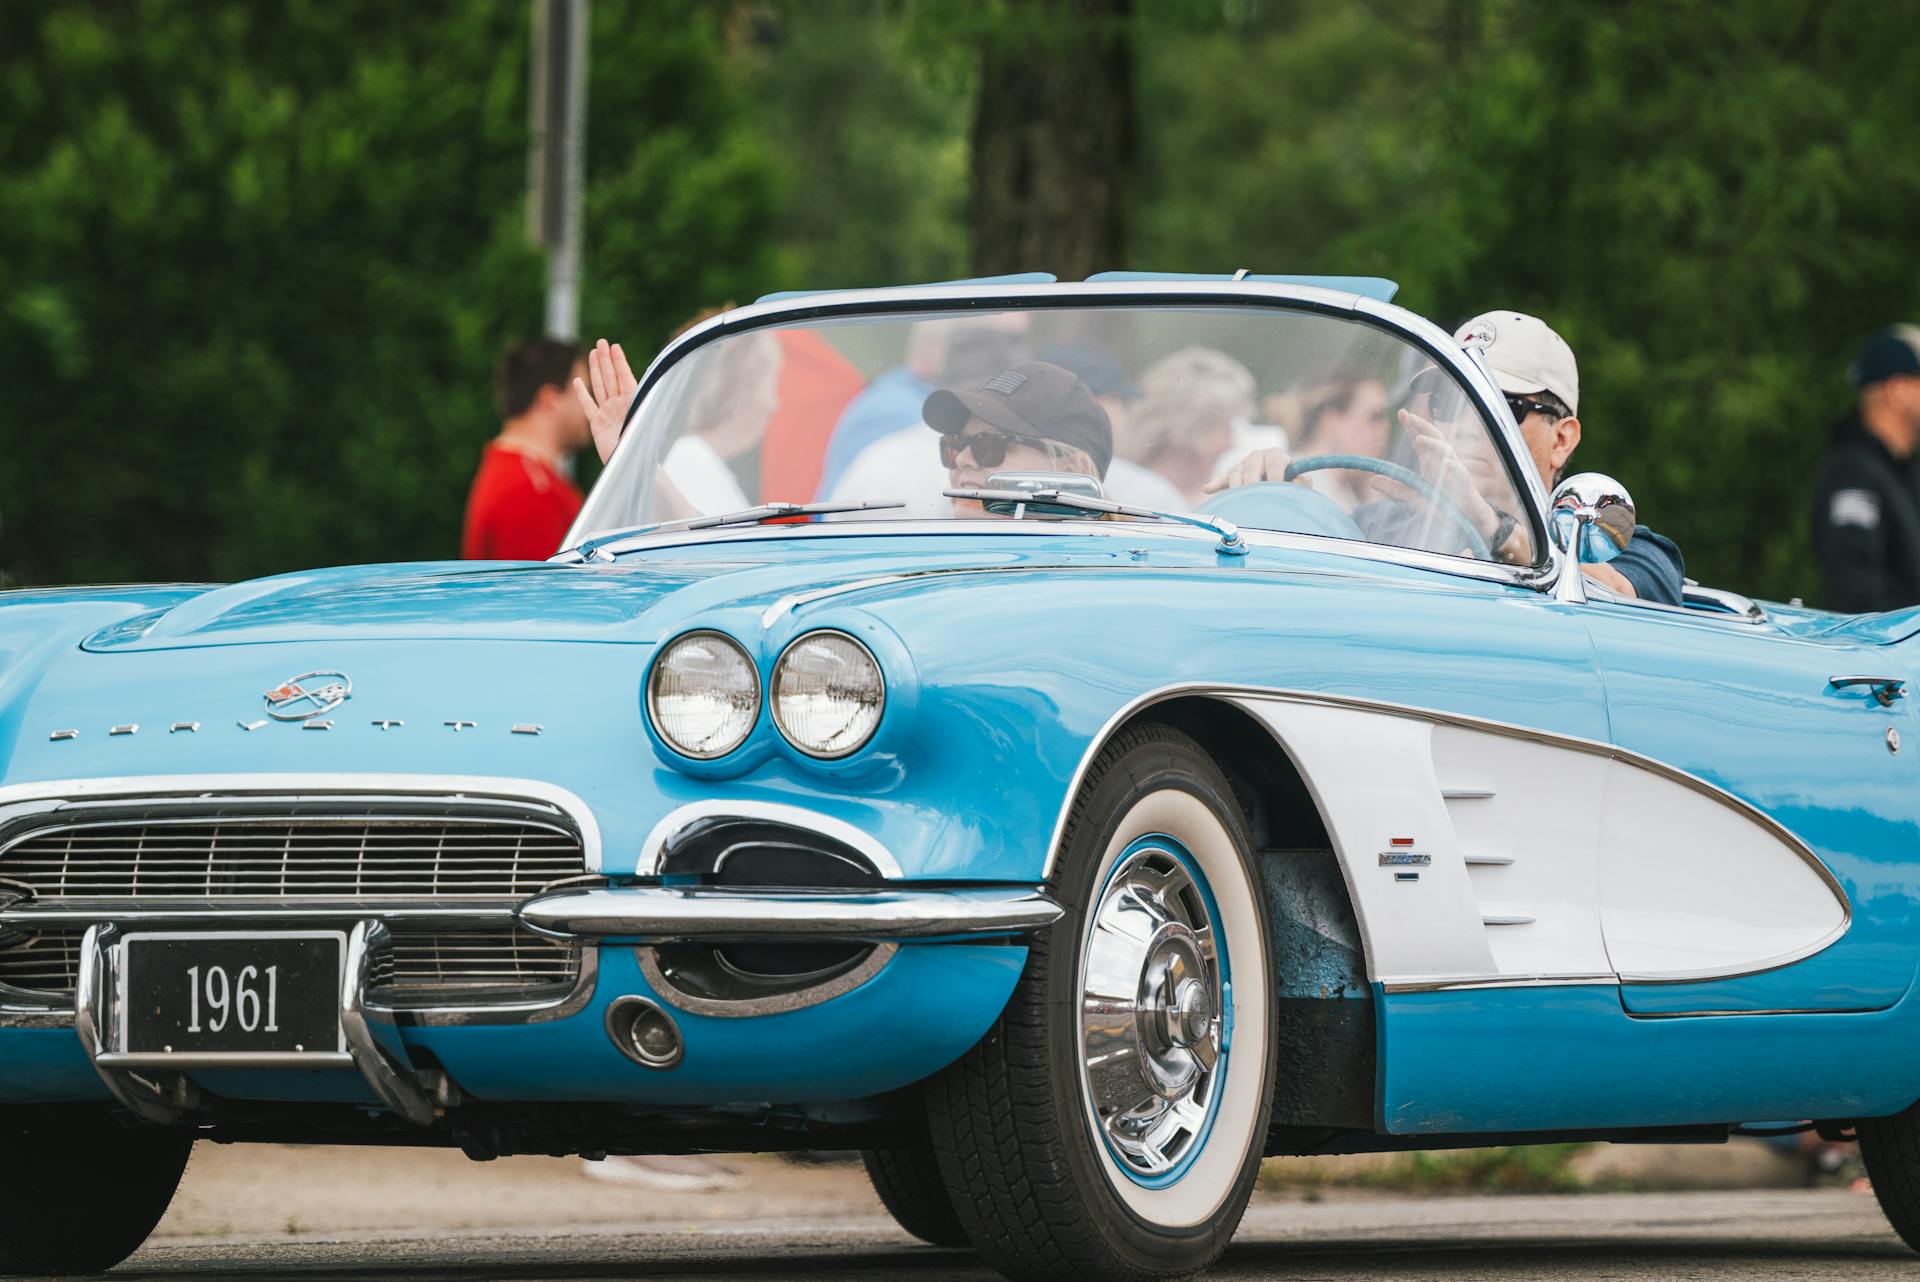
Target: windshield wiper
x: 1232, y: 542
x: 596, y: 549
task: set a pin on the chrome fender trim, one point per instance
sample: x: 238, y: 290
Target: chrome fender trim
x: 1250, y: 697
x: 662, y: 914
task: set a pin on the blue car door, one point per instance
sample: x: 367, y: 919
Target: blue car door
x: 1794, y: 890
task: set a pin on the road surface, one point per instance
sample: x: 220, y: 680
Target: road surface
x: 334, y: 1215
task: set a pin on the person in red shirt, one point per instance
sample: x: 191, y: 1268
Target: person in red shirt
x: 521, y: 502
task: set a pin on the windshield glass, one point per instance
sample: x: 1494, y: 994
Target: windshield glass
x: 1275, y: 420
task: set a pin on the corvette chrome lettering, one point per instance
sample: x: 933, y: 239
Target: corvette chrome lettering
x: 457, y: 726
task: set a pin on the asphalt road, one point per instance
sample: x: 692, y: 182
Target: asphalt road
x: 1755, y: 1234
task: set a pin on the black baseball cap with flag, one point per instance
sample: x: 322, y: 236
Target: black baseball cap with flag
x: 1033, y: 400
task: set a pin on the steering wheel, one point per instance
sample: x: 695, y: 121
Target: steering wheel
x: 1407, y: 477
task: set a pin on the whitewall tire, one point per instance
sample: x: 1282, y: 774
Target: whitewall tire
x: 1111, y: 1124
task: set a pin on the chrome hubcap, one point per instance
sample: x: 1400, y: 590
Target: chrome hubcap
x: 1150, y: 1027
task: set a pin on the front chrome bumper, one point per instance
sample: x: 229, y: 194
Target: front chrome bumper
x: 157, y: 1088
x: 661, y: 914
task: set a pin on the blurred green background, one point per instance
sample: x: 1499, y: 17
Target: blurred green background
x: 257, y: 259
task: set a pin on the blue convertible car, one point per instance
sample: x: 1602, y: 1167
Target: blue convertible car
x: 948, y: 773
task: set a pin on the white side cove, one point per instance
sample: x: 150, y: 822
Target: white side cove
x: 1547, y: 859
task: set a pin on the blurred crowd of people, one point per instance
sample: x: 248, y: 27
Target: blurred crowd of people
x: 786, y: 410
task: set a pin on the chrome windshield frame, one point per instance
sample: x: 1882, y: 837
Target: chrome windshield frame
x: 907, y: 300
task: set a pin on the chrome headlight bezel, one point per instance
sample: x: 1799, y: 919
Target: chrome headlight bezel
x: 659, y: 665
x: 780, y: 668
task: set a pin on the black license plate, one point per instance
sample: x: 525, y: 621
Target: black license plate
x: 231, y: 993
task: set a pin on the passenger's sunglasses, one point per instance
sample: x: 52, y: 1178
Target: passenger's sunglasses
x: 989, y: 449
x: 1525, y: 405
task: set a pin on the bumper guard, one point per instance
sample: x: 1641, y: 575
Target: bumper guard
x: 166, y: 1095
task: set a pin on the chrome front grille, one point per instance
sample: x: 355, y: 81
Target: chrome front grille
x: 45, y: 962
x: 357, y: 857
x: 416, y: 968
x: 475, y: 858
x: 421, y: 963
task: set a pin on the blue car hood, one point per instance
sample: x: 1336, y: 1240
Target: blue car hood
x: 619, y: 602
x: 425, y: 601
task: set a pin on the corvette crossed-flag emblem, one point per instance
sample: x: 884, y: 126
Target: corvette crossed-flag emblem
x: 308, y: 695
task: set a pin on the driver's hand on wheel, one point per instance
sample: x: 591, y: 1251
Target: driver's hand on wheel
x: 611, y: 392
x: 1262, y: 465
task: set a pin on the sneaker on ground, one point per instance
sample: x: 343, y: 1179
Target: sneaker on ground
x: 689, y: 1173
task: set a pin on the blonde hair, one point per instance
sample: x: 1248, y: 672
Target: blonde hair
x: 1189, y: 395
x: 1202, y: 375
x: 733, y: 379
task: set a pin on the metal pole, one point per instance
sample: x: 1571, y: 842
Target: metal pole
x: 556, y: 164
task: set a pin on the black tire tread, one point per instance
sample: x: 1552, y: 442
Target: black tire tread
x: 1890, y: 1149
x: 910, y: 1187
x: 1006, y: 1174
x: 97, y: 1189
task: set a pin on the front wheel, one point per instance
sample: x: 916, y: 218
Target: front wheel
x: 1110, y: 1125
x: 84, y: 1191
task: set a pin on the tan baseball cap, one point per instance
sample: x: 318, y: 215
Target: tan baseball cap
x: 1525, y: 353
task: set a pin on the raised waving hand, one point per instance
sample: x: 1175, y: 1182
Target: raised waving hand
x: 611, y: 392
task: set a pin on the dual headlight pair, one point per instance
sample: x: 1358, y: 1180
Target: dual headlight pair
x: 703, y: 694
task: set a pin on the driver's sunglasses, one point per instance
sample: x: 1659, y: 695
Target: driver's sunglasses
x: 1525, y: 405
x: 989, y: 448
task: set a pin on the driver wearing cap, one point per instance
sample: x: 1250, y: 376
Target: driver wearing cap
x: 1535, y: 368
x: 1030, y: 417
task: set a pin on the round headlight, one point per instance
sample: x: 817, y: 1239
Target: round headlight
x: 827, y: 694
x: 703, y: 695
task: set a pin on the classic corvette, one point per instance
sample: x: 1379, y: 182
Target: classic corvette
x: 888, y: 762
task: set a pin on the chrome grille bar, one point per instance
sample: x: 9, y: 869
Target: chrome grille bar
x: 332, y: 857
x: 444, y: 872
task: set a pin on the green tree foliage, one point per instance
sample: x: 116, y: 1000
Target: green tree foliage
x: 867, y: 119
x: 1710, y: 201
x: 256, y: 262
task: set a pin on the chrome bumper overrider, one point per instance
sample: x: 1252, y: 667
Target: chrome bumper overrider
x: 151, y: 1086
x: 659, y: 914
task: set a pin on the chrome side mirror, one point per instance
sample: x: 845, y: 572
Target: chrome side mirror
x: 1592, y: 519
